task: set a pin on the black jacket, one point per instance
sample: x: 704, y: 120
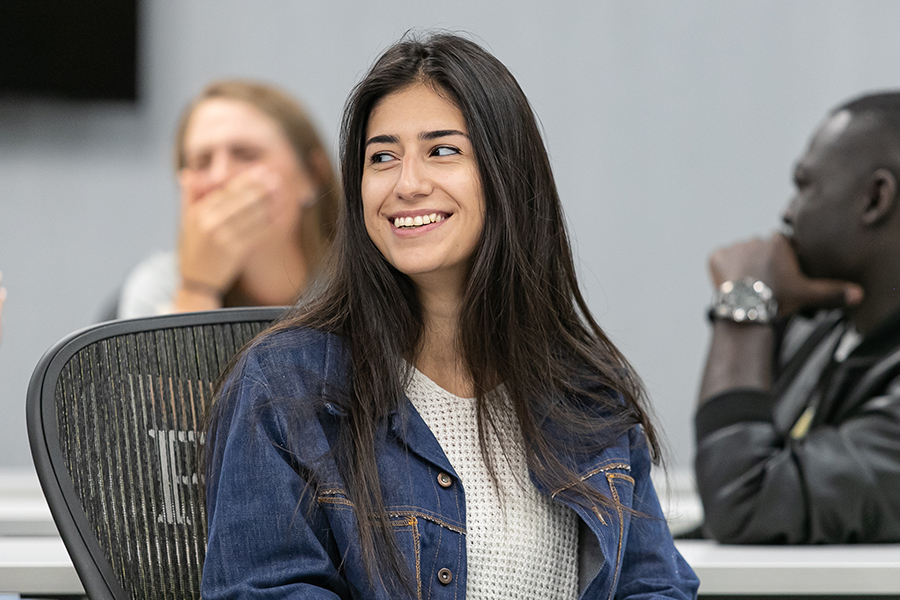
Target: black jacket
x: 764, y: 478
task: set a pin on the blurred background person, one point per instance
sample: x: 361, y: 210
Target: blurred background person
x: 798, y: 426
x: 258, y: 206
x: 2, y: 298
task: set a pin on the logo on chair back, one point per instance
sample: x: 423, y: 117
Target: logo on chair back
x: 177, y: 472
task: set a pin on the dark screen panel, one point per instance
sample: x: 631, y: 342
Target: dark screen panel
x: 83, y: 49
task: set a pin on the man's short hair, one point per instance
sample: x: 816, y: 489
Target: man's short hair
x: 882, y: 102
x: 884, y: 108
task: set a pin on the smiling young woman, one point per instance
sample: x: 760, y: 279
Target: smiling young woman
x: 446, y: 418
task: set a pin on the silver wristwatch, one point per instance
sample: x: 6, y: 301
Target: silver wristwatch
x: 744, y: 300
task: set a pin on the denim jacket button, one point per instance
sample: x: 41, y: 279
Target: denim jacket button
x: 445, y: 481
x: 445, y: 576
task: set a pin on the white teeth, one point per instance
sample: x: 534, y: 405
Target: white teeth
x: 418, y: 220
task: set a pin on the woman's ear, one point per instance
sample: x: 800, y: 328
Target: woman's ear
x: 881, y: 198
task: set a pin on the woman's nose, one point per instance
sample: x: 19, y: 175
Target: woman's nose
x: 414, y: 180
x: 221, y: 169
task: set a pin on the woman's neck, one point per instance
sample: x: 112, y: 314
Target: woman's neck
x: 439, y: 355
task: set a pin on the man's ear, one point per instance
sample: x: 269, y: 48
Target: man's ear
x: 881, y: 198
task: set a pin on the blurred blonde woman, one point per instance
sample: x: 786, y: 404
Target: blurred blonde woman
x: 258, y: 206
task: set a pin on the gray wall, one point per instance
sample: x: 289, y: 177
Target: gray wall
x: 672, y: 127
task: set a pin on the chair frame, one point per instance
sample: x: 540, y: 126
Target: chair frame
x: 94, y: 570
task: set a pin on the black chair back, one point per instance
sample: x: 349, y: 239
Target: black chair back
x: 115, y: 420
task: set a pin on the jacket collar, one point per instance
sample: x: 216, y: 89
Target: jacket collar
x: 884, y: 338
x: 407, y: 426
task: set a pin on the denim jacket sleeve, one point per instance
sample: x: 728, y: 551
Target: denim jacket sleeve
x: 637, y: 556
x: 651, y: 565
x: 256, y: 494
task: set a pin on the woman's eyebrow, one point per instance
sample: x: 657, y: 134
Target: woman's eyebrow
x: 432, y: 135
x: 425, y: 135
x: 382, y: 139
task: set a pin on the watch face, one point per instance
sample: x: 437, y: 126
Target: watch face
x: 745, y: 300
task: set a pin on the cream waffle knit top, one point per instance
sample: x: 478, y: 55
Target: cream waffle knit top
x: 528, y: 546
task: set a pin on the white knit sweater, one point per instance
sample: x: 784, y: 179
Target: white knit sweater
x: 525, y: 548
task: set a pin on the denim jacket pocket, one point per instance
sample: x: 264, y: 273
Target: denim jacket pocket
x: 404, y: 524
x: 613, y: 480
x: 333, y: 497
x: 621, y: 490
x: 406, y: 533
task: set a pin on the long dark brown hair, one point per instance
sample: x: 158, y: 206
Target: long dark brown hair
x: 524, y: 321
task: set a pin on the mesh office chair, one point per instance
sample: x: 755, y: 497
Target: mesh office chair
x: 115, y: 418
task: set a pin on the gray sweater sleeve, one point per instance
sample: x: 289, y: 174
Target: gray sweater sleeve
x: 149, y: 288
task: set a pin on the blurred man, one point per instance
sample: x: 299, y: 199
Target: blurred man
x: 798, y: 425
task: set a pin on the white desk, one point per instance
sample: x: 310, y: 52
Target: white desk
x: 800, y: 570
x: 40, y: 565
x: 23, y: 509
x: 26, y: 517
x: 33, y: 560
x: 36, y: 565
x: 679, y: 499
x: 774, y: 570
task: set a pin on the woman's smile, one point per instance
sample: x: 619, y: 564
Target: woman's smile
x: 419, y: 220
x: 413, y: 225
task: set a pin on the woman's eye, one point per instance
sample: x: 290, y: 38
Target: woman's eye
x: 380, y: 157
x: 198, y: 163
x: 445, y: 151
x: 246, y: 154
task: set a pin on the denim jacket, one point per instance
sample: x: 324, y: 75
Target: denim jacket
x: 271, y: 535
